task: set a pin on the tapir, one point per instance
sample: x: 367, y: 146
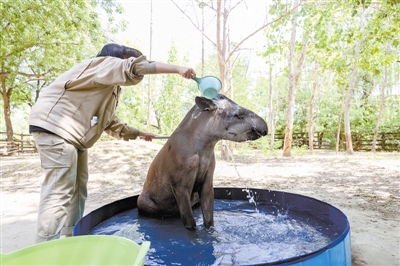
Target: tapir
x: 182, y: 172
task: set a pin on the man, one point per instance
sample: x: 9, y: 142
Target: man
x: 70, y: 116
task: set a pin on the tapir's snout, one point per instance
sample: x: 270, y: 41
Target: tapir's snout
x: 262, y: 132
x: 259, y: 130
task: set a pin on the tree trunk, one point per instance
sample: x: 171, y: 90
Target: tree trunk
x: 6, y: 106
x: 293, y: 79
x: 287, y: 144
x: 347, y: 105
x: 222, y: 45
x: 271, y: 112
x: 221, y: 48
x: 310, y: 120
x: 353, y: 80
x: 339, y: 123
x: 202, y: 42
x: 149, y: 76
x: 378, y: 122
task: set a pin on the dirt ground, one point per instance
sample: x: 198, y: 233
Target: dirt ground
x: 365, y: 186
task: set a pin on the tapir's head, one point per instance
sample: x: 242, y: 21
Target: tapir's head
x: 229, y: 121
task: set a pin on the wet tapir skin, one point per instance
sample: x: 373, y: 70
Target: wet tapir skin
x: 184, y: 167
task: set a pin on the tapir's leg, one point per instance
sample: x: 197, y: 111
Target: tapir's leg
x: 183, y: 182
x: 182, y: 196
x: 146, y: 204
x: 195, y: 200
x: 207, y: 196
x: 207, y: 206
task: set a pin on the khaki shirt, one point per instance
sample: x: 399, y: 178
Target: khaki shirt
x: 89, y: 89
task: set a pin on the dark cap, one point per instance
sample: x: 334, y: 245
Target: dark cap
x: 117, y: 50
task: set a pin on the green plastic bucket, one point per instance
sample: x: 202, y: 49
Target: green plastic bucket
x: 80, y: 250
x: 209, y: 86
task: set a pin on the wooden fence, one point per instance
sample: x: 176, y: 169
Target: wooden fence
x: 21, y: 143
x: 386, y: 141
x: 301, y: 139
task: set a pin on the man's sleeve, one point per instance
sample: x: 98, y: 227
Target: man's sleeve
x: 120, y: 130
x: 123, y: 72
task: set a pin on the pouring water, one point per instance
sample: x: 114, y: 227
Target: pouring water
x: 250, y: 194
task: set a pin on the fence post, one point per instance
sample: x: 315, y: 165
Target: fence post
x: 22, y: 142
x: 320, y: 134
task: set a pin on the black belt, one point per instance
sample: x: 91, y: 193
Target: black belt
x: 38, y: 129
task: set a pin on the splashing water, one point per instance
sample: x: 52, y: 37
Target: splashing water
x: 239, y: 235
x: 250, y: 194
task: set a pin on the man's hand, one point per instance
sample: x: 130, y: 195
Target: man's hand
x: 147, y: 136
x: 187, y: 72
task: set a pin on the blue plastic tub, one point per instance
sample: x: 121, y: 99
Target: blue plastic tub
x: 337, y: 252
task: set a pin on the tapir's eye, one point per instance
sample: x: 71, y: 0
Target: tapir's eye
x: 238, y: 116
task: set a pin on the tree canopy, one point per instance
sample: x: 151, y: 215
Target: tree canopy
x: 41, y: 39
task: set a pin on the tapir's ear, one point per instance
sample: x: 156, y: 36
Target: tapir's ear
x: 205, y: 104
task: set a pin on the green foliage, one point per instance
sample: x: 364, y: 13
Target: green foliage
x: 332, y: 30
x: 41, y: 39
x: 300, y: 151
x: 132, y: 105
x: 173, y: 96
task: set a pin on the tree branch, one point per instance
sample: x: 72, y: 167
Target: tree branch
x: 230, y: 10
x: 300, y: 62
x: 262, y: 27
x: 205, y: 4
x: 35, y: 75
x: 183, y: 12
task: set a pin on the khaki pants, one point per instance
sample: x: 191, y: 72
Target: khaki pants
x: 64, y: 189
